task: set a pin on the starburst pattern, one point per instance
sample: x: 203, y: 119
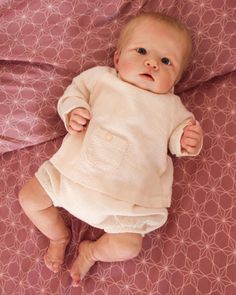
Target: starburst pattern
x: 44, y: 44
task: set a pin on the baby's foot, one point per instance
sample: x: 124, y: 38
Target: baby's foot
x: 82, y: 263
x: 55, y: 253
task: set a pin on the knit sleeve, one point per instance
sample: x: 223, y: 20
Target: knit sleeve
x: 77, y: 94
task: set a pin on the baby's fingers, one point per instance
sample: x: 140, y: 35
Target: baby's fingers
x: 194, y: 128
x: 190, y: 142
x: 191, y: 134
x: 76, y: 126
x: 77, y: 119
x: 190, y: 149
x: 81, y: 112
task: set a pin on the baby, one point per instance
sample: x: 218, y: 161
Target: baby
x: 112, y: 169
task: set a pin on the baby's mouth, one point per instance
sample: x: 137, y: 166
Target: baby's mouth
x: 147, y: 76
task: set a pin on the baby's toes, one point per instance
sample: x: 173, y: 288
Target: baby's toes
x: 75, y: 278
x: 54, y: 266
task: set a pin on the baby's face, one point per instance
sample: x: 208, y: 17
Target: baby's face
x: 153, y: 57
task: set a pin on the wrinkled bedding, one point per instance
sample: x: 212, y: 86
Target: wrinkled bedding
x: 43, y: 45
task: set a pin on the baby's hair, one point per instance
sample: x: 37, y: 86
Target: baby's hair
x: 157, y: 17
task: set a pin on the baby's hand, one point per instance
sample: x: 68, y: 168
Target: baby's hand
x: 192, y: 137
x: 78, y: 120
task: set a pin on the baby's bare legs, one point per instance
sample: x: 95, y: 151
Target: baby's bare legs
x: 39, y: 208
x: 108, y: 248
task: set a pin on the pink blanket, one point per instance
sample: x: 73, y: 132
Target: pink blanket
x: 43, y: 45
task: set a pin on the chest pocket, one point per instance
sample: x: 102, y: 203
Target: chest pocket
x: 104, y: 149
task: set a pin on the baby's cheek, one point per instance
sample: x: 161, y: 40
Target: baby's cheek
x: 126, y: 67
x: 167, y: 82
x: 125, y: 71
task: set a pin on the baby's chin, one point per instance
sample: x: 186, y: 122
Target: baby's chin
x: 159, y: 90
x: 154, y: 89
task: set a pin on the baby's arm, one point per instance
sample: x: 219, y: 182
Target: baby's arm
x: 191, y: 139
x: 74, y: 106
x: 78, y: 120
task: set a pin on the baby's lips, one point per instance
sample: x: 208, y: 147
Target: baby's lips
x: 148, y: 76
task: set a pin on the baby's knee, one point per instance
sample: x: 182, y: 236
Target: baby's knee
x: 25, y: 197
x: 32, y: 197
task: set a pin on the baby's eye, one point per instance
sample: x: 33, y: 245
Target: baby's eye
x: 141, y: 50
x: 165, y: 61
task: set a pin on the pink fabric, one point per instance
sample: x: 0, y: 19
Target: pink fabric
x: 43, y: 44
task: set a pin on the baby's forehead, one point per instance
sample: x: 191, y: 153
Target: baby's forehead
x: 145, y: 23
x: 149, y: 24
x: 148, y: 31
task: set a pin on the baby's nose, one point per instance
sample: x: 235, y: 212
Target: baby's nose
x: 151, y: 63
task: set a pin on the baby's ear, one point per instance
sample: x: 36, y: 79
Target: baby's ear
x: 116, y: 59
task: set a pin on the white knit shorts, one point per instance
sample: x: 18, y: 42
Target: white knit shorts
x: 97, y: 209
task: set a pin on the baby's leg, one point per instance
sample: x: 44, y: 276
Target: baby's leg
x: 39, y: 208
x: 108, y: 248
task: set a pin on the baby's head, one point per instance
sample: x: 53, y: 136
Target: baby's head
x: 152, y: 52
